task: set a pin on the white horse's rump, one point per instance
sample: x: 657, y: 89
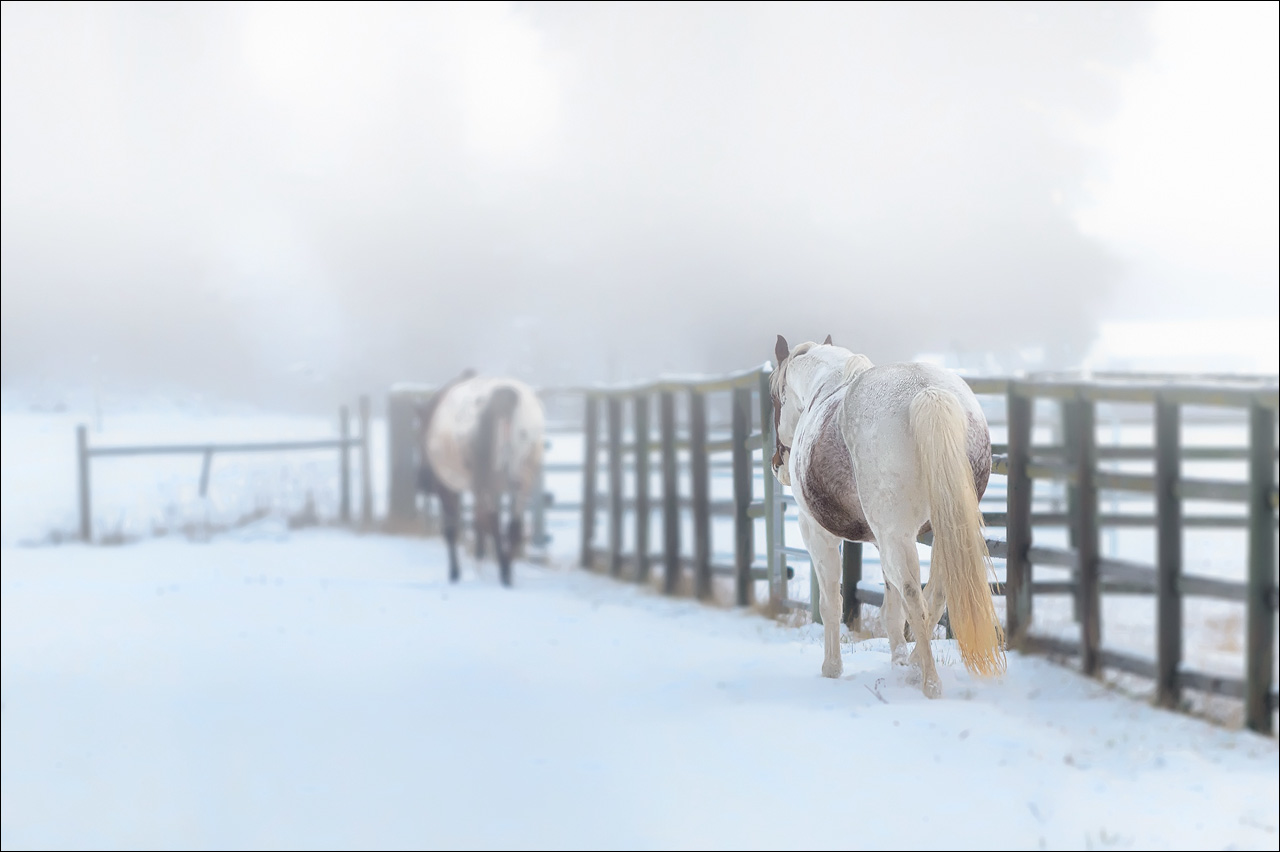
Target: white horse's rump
x: 483, y: 435
x: 882, y: 454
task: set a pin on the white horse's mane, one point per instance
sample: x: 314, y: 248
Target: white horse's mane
x: 853, y: 367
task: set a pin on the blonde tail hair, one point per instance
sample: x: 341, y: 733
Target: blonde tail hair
x: 960, y: 559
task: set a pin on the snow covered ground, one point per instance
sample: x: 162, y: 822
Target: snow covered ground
x: 275, y: 689
x: 269, y: 687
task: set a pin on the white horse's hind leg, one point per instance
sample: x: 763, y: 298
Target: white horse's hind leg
x: 824, y: 550
x: 935, y: 602
x: 894, y: 620
x: 902, y: 566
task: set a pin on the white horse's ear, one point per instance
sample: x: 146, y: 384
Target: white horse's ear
x: 781, y: 350
x: 828, y: 342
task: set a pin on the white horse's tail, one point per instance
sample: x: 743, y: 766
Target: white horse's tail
x: 960, y: 559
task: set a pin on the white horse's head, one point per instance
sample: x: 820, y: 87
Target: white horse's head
x: 786, y: 406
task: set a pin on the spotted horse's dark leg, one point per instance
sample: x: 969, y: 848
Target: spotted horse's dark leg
x: 480, y: 528
x: 451, y: 512
x: 503, y: 552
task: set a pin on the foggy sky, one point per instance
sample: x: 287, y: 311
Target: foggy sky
x: 295, y: 203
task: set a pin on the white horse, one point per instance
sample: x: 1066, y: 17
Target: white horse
x: 881, y: 454
x: 482, y: 435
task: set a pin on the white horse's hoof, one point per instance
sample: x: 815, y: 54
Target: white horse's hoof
x: 931, y: 688
x: 832, y: 668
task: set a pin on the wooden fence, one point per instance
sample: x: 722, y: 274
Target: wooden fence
x: 344, y: 444
x: 620, y: 447
x: 1076, y: 462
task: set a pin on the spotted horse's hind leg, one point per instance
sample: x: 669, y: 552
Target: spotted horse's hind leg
x: 502, y: 551
x: 450, y: 509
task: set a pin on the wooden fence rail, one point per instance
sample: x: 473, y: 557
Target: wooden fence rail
x: 85, y: 453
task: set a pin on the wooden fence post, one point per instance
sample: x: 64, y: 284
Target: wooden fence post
x: 670, y: 496
x: 344, y: 465
x: 402, y: 463
x: 743, y: 528
x: 851, y: 575
x: 1018, y: 573
x: 701, y: 494
x: 366, y: 474
x: 1260, y: 615
x: 614, y: 425
x: 1087, y: 586
x: 538, y: 507
x: 1070, y: 410
x: 774, y: 565
x: 590, y: 436
x: 1168, y: 552
x: 206, y: 469
x: 640, y: 411
x: 82, y: 472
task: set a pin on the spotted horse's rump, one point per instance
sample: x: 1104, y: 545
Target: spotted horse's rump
x: 483, y: 436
